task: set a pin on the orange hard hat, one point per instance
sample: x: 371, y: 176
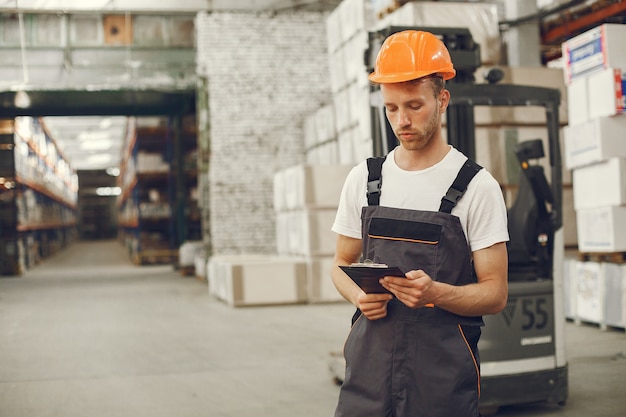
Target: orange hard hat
x: 409, y: 55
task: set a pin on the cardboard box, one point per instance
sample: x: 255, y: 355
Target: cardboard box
x: 320, y: 284
x: 325, y: 123
x: 310, y: 131
x: 355, y: 17
x: 306, y: 232
x: 337, y: 72
x: 309, y: 186
x: 595, y: 140
x: 245, y: 280
x: 605, y: 90
x: 347, y: 153
x: 326, y: 153
x: 590, y: 303
x: 596, y: 49
x: 577, y: 102
x: 333, y: 31
x: 601, y: 184
x: 615, y: 294
x: 601, y: 229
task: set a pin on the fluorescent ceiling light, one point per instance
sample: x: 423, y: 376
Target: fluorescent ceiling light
x: 108, y: 191
x: 99, y: 159
x: 96, y: 145
x: 113, y: 171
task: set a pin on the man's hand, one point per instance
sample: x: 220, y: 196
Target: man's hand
x: 413, y: 291
x: 373, y: 306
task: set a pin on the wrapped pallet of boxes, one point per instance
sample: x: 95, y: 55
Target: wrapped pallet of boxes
x: 595, y: 151
x: 594, y: 67
x: 187, y: 254
x: 599, y: 295
x: 254, y: 280
x: 615, y: 291
x: 480, y: 19
x: 600, y: 204
x: 347, y: 33
x: 590, y: 299
x: 305, y: 202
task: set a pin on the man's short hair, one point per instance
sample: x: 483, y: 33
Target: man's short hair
x: 436, y: 82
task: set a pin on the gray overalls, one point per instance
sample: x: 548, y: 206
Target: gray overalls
x: 415, y: 362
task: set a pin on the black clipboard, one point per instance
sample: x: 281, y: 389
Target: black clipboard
x: 367, y: 277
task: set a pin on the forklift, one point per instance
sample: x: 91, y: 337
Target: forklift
x: 522, y: 348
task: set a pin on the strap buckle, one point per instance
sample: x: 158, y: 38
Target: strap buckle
x: 453, y: 195
x: 373, y: 187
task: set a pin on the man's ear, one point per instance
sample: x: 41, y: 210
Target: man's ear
x: 444, y: 100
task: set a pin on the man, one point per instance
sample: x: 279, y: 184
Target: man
x: 413, y: 351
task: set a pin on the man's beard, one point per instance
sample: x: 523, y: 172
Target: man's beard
x: 422, y: 136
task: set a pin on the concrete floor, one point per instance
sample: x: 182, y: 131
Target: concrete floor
x: 88, y: 334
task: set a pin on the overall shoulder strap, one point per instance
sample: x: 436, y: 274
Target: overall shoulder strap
x: 374, y: 179
x: 459, y: 186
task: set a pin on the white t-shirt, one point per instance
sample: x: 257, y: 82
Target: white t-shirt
x: 481, y: 209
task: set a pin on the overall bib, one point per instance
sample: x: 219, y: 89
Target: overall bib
x: 415, y: 362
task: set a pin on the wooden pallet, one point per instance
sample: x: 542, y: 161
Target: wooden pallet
x: 610, y: 257
x: 187, y: 271
x: 155, y: 257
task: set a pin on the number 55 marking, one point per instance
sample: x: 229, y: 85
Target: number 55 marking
x: 535, y: 312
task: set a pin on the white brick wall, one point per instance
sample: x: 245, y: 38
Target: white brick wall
x: 266, y: 73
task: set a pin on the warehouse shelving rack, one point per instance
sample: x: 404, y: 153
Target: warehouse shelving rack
x: 156, y: 212
x: 38, y: 192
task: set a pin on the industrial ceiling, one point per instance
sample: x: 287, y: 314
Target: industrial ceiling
x: 92, y: 141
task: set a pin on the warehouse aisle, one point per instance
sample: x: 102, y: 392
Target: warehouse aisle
x: 88, y: 334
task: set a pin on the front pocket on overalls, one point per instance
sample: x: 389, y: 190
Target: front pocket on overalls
x: 406, y: 244
x: 407, y: 231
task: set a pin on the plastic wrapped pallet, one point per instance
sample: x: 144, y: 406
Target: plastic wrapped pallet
x: 615, y: 294
x: 200, y: 263
x: 188, y: 252
x: 590, y: 297
x: 480, y: 19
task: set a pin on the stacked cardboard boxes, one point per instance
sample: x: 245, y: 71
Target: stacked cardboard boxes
x: 347, y: 32
x: 595, y: 151
x: 305, y: 203
x: 305, y: 200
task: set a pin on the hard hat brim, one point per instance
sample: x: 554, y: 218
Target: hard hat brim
x: 410, y: 76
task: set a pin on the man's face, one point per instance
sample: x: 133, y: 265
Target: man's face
x: 414, y: 112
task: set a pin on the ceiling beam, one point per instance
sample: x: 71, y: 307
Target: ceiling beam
x: 40, y: 103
